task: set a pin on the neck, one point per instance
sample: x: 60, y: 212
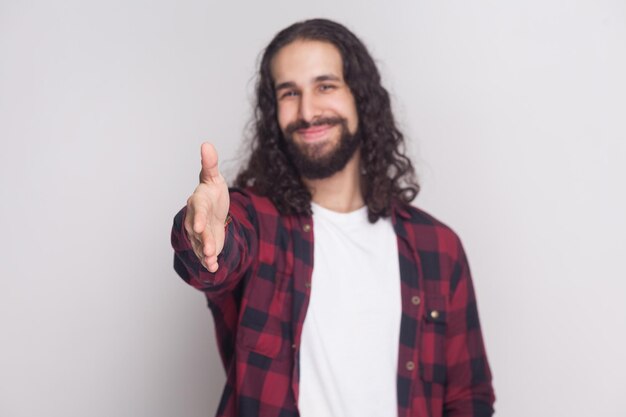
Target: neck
x: 342, y: 191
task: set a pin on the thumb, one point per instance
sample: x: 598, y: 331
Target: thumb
x: 209, y: 163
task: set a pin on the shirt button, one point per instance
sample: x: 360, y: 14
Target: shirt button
x: 434, y: 314
x: 293, y: 346
x: 307, y: 284
x: 416, y: 300
x: 410, y: 366
x: 306, y: 227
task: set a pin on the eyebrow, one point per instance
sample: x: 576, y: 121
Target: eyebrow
x: 319, y: 78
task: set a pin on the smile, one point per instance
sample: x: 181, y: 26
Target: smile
x: 314, y: 133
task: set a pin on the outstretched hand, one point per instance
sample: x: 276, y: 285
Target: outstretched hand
x: 207, y: 209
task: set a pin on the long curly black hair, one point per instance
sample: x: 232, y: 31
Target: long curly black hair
x: 387, y: 173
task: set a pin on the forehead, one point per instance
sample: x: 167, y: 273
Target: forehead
x: 302, y: 61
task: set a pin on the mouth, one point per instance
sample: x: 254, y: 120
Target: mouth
x: 314, y: 133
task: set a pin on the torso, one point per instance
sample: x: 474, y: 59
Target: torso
x: 349, y: 349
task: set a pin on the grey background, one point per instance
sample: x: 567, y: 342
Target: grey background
x: 516, y: 117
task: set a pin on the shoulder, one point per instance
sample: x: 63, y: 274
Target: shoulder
x: 427, y: 231
x: 258, y: 209
x: 246, y: 197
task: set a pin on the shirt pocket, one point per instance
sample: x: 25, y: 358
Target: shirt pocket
x: 262, y: 328
x: 260, y: 333
x: 432, y: 346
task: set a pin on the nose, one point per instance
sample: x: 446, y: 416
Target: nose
x: 309, y: 107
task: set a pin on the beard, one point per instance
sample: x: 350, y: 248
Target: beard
x: 310, y: 160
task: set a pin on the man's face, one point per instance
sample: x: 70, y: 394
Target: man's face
x: 316, y: 110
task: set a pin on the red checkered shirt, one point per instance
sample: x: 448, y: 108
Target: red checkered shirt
x: 259, y: 297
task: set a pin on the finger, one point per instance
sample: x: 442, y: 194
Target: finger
x: 211, y: 260
x: 201, y: 215
x: 194, y: 224
x: 205, y: 264
x: 212, y: 267
x: 208, y: 243
x: 189, y: 219
x: 196, y: 246
x: 210, y: 263
x: 209, y: 163
x: 206, y: 261
x: 201, y: 257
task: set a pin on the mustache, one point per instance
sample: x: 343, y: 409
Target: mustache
x: 303, y: 124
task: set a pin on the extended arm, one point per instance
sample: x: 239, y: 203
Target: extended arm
x: 210, y: 254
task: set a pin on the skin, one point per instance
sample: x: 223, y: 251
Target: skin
x: 207, y: 209
x: 308, y: 76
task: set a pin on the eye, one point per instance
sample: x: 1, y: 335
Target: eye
x: 326, y: 87
x: 288, y: 94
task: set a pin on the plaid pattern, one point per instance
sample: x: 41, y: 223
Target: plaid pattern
x: 260, y: 293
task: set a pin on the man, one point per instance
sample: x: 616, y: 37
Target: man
x: 373, y: 314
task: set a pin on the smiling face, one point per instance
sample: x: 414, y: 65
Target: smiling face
x: 316, y: 109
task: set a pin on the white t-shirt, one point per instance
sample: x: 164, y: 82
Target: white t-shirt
x: 350, y: 337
